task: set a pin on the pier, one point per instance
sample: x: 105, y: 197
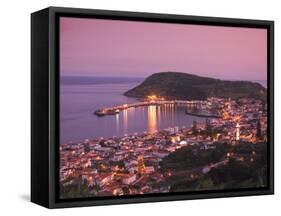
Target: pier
x: 159, y: 102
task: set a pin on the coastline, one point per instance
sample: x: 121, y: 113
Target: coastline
x: 146, y: 163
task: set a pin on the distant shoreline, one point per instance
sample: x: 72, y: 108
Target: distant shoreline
x: 84, y: 80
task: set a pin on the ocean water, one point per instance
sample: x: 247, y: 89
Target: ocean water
x: 79, y: 98
x: 79, y: 101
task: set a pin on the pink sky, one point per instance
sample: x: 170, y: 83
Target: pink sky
x: 97, y: 47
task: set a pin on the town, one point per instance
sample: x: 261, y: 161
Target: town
x: 137, y: 163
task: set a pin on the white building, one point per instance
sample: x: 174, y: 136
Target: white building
x: 149, y: 169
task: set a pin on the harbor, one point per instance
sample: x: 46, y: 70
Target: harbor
x: 193, y: 107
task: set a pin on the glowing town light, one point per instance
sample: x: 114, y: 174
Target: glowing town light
x: 183, y: 142
x: 152, y: 98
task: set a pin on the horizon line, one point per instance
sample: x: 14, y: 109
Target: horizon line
x: 96, y: 76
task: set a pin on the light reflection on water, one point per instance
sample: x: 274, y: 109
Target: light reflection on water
x: 78, y: 123
x: 152, y: 119
x: 125, y: 120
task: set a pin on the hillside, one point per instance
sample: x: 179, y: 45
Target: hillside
x: 176, y: 85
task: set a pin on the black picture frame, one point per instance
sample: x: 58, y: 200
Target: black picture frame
x: 45, y: 102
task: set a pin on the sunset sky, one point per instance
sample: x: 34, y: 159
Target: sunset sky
x: 96, y: 47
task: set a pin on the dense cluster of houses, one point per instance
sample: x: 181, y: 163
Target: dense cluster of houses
x: 131, y: 164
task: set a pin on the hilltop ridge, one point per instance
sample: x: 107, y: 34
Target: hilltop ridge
x: 184, y: 86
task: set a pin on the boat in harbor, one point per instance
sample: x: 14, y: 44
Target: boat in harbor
x: 104, y: 112
x: 99, y: 113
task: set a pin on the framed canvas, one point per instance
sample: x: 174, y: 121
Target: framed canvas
x: 138, y: 107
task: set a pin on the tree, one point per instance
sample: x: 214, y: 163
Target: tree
x: 75, y: 190
x: 206, y: 184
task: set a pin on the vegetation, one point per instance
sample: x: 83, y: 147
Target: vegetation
x: 176, y: 85
x: 231, y: 176
x: 191, y: 157
x: 250, y: 172
x: 78, y: 190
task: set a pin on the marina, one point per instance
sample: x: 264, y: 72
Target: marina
x: 193, y: 107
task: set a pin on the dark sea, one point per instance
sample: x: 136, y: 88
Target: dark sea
x: 81, y: 96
